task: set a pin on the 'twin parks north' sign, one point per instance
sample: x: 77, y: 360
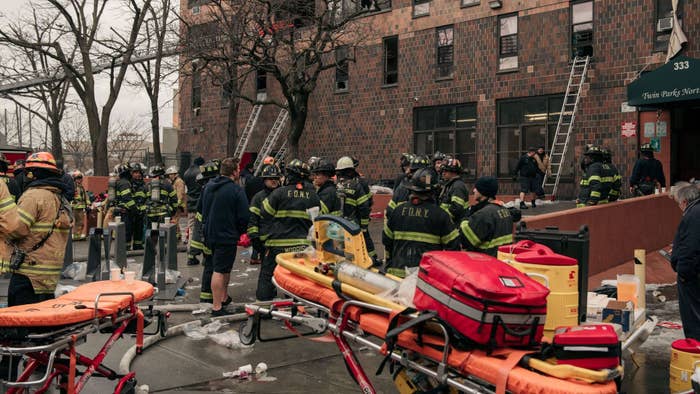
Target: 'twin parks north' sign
x: 677, y: 80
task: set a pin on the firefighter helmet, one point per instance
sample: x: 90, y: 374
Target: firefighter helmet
x: 424, y: 180
x: 123, y: 168
x: 593, y: 151
x: 270, y: 171
x: 438, y: 156
x: 298, y: 167
x: 171, y: 170
x: 646, y: 148
x: 344, y: 163
x: 419, y: 162
x: 355, y: 161
x: 607, y: 155
x: 452, y: 165
x: 406, y: 159
x: 138, y: 167
x: 209, y: 169
x: 156, y: 171
x: 77, y: 174
x: 323, y: 166
x: 313, y: 162
x: 42, y: 160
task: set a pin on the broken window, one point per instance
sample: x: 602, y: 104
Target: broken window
x: 445, y: 51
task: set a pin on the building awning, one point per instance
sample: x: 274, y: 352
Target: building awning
x: 677, y: 80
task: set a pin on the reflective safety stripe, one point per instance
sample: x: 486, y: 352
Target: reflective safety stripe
x: 198, y: 216
x: 268, y: 208
x: 502, y: 240
x: 478, y: 314
x: 580, y: 205
x: 40, y: 227
x: 595, y: 194
x: 584, y: 182
x: 7, y: 204
x: 351, y: 201
x: 196, y: 245
x: 364, y: 222
x: 602, y: 202
x: 324, y: 208
x: 398, y: 272
x: 469, y: 233
x: 25, y: 217
x: 39, y: 269
x: 206, y: 295
x: 449, y: 237
x: 253, y: 230
x: 416, y: 236
x: 458, y: 200
x: 336, y: 213
x: 388, y: 232
x: 255, y: 210
x: 363, y: 199
x: 594, y: 178
x: 287, y: 242
x: 123, y: 192
x: 392, y: 204
x: 292, y: 214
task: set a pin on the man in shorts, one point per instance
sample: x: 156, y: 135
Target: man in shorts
x: 526, y: 174
x: 224, y: 209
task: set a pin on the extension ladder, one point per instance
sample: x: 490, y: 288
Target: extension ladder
x: 271, y: 140
x: 247, y: 131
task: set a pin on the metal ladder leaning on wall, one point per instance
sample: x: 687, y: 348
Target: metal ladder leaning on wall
x: 247, y: 131
x: 562, y: 136
x: 277, y: 128
x: 279, y: 156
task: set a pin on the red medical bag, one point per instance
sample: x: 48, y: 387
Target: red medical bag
x: 483, y: 298
x: 594, y: 346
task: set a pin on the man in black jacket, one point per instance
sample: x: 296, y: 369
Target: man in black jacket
x: 685, y: 258
x: 489, y: 224
x: 257, y: 228
x: 224, y: 210
x: 647, y: 174
x: 526, y: 174
x: 194, y: 190
x: 322, y: 173
x: 454, y: 197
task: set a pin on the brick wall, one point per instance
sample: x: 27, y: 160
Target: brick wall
x: 375, y: 122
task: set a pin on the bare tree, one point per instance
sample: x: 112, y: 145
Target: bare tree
x: 157, y: 38
x: 76, y: 141
x: 293, y: 41
x: 96, y: 50
x: 128, y: 140
x: 26, y: 63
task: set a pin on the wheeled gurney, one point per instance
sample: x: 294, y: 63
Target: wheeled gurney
x: 38, y: 341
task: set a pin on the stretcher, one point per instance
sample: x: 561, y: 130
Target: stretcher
x: 350, y: 312
x: 38, y: 341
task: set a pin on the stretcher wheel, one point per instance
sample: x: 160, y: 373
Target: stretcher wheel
x: 247, y: 332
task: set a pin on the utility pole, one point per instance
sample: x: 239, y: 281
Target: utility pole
x: 31, y: 141
x: 18, y: 115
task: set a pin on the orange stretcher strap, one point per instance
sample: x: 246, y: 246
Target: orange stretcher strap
x: 77, y: 306
x: 513, y: 357
x: 476, y: 363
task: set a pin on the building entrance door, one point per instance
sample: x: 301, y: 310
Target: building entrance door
x: 685, y: 143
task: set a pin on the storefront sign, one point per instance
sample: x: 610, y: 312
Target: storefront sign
x: 661, y: 129
x: 629, y: 129
x: 677, y: 80
x: 649, y: 128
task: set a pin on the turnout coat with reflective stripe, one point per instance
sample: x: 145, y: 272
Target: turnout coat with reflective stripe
x: 257, y: 228
x: 413, y: 229
x: 125, y: 199
x: 36, y: 213
x: 285, y: 209
x: 8, y: 217
x: 356, y: 201
x: 180, y: 192
x: 454, y: 199
x: 329, y: 196
x: 594, y: 185
x: 487, y: 229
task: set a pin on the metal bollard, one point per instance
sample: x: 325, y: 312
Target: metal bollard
x: 119, y: 231
x: 68, y: 254
x: 149, y: 256
x: 94, y: 262
x: 167, y: 248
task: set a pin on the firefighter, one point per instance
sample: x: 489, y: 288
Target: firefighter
x: 402, y: 192
x: 257, y: 228
x: 11, y: 183
x: 593, y: 189
x: 489, y: 224
x: 139, y: 190
x: 208, y: 171
x: 454, y: 197
x: 647, y: 174
x: 39, y: 233
x: 180, y: 192
x: 124, y: 204
x: 405, y: 165
x: 322, y: 174
x: 355, y: 200
x: 288, y: 210
x: 194, y: 190
x: 162, y: 201
x: 614, y: 177
x: 417, y: 226
x: 438, y: 159
x: 8, y: 215
x: 80, y: 207
x: 20, y: 177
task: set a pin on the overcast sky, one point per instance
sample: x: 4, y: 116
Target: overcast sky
x: 132, y: 102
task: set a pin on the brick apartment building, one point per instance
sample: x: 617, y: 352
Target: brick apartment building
x: 483, y: 80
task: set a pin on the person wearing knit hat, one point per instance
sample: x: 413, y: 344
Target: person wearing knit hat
x: 488, y: 223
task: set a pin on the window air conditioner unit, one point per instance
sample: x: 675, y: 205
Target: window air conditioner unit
x: 195, y: 10
x: 664, y: 24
